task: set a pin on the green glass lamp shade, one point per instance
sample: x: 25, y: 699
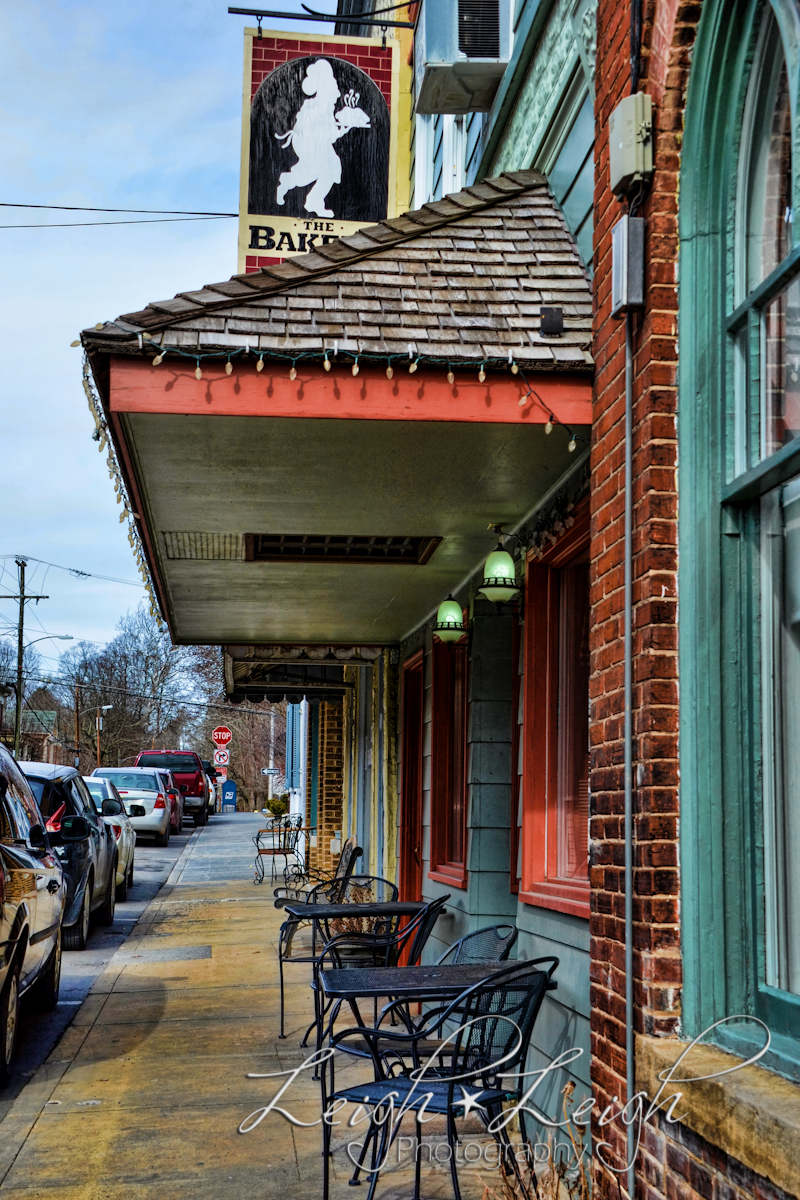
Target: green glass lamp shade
x: 499, y: 577
x: 449, y: 625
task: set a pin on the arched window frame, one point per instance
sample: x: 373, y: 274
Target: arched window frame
x: 722, y: 476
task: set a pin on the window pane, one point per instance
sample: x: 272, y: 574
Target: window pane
x: 573, y: 724
x: 768, y: 147
x: 780, y: 679
x: 780, y: 405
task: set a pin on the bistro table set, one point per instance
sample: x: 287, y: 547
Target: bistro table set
x: 450, y: 1038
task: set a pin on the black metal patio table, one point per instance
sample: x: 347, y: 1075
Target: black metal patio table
x: 403, y: 983
x: 330, y: 912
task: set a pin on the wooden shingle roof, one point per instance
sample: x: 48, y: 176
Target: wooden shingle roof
x: 460, y: 280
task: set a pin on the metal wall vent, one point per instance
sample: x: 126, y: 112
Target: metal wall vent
x: 222, y: 547
x: 479, y: 28
x: 323, y: 547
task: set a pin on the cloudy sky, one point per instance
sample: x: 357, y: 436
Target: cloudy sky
x: 114, y: 105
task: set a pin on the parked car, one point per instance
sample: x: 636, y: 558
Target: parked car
x: 176, y: 801
x: 32, y: 898
x: 187, y: 770
x: 110, y: 804
x: 140, y: 788
x: 89, y: 865
x: 212, y: 777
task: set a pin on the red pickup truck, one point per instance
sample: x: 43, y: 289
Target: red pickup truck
x: 187, y: 770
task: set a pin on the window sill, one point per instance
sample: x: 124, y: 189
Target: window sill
x: 559, y: 897
x: 453, y: 874
x: 752, y: 1115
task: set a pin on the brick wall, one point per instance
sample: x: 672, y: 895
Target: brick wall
x: 329, y: 769
x: 668, y: 37
x: 683, y: 1166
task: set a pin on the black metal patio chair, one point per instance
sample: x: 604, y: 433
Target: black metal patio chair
x: 304, y: 878
x: 493, y: 1021
x: 492, y: 944
x: 364, y: 950
x: 279, y: 838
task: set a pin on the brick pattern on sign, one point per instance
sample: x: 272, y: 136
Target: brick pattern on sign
x: 669, y: 33
x: 270, y: 52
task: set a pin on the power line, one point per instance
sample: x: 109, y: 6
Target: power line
x: 74, y: 570
x: 81, y: 224
x: 107, y: 687
x: 161, y: 212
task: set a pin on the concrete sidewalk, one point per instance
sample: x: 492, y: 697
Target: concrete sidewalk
x: 144, y: 1094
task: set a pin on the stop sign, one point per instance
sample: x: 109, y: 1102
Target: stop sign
x: 221, y: 736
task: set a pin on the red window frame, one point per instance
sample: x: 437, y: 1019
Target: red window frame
x: 449, y: 672
x: 516, y: 777
x: 540, y: 884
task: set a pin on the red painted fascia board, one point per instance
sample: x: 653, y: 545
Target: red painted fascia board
x: 138, y: 387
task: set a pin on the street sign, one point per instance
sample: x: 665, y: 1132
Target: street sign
x: 222, y: 774
x: 221, y: 736
x: 221, y: 758
x: 270, y: 770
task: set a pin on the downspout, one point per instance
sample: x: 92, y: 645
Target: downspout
x: 630, y: 1036
x: 630, y: 1042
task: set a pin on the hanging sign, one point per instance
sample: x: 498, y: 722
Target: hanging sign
x: 319, y: 141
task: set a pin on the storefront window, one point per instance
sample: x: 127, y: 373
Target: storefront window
x: 449, y: 763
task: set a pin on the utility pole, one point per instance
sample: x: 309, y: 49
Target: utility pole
x: 77, y: 730
x: 271, y: 748
x: 100, y: 710
x: 21, y: 564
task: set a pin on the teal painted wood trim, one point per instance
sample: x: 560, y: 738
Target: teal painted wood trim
x: 717, y: 745
x: 529, y: 31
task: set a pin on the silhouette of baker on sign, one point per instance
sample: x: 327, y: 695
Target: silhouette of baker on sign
x: 312, y: 138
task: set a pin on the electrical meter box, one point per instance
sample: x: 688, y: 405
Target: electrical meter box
x: 630, y: 142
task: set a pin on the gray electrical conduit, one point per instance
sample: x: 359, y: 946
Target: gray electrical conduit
x: 630, y: 1044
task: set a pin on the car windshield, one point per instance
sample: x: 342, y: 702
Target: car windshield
x: 170, y: 762
x: 131, y: 780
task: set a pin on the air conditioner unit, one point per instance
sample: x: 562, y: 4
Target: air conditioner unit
x: 461, y: 51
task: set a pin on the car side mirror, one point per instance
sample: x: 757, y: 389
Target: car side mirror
x: 112, y: 808
x: 37, y: 838
x: 137, y: 810
x: 74, y: 829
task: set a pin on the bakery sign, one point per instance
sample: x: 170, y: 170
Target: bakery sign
x: 319, y: 142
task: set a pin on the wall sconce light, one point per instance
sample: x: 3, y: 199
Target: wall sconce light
x: 450, y: 626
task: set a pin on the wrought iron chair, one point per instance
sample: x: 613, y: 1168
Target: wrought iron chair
x: 364, y: 950
x: 492, y: 944
x: 302, y: 881
x: 493, y: 1022
x: 284, y: 833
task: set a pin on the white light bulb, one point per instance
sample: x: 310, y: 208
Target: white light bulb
x: 355, y: 368
x: 77, y: 342
x: 327, y: 364
x: 451, y: 377
x: 481, y: 376
x: 260, y: 365
x: 293, y: 373
x: 228, y: 368
x: 389, y: 372
x: 514, y: 369
x: 198, y: 374
x: 572, y: 445
x: 157, y: 361
x: 412, y: 367
x: 548, y: 427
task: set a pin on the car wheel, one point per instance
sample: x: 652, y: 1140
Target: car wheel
x: 162, y: 839
x: 50, y: 979
x: 76, y: 936
x: 200, y: 817
x: 9, y: 1022
x: 122, y: 889
x: 130, y: 873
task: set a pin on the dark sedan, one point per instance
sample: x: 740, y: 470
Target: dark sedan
x: 32, y: 897
x: 90, y: 867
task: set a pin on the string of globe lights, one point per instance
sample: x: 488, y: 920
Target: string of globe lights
x: 410, y: 359
x: 101, y: 436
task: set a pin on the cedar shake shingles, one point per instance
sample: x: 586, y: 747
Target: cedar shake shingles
x: 461, y: 279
